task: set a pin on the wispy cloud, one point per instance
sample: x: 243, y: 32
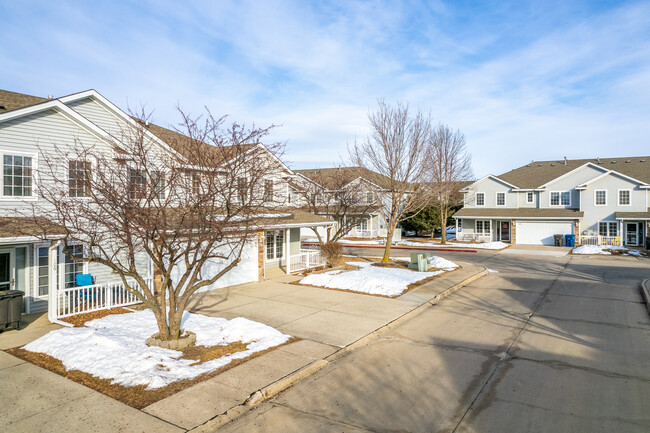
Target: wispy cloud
x: 521, y: 80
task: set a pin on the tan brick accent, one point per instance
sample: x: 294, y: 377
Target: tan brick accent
x: 513, y: 232
x: 260, y: 255
x: 576, y: 230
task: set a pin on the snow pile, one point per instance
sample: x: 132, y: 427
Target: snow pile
x: 605, y: 250
x: 374, y: 280
x: 485, y: 246
x: 114, y: 347
x: 440, y: 263
x: 349, y: 242
x: 591, y: 249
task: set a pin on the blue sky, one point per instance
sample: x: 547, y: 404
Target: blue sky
x: 522, y: 80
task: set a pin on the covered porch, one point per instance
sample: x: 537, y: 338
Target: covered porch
x: 635, y: 228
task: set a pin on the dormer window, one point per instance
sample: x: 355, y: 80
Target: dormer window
x: 480, y: 199
x: 501, y: 198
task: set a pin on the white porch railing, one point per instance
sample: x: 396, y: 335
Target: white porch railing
x: 305, y: 260
x: 612, y: 241
x: 84, y: 299
x: 357, y: 233
x: 474, y: 237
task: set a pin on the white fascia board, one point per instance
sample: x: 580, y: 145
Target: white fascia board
x: 266, y: 149
x: 62, y: 109
x: 569, y: 173
x: 296, y: 225
x: 489, y: 176
x: 518, y: 218
x: 116, y: 111
x: 363, y: 179
x: 614, y: 173
x: 633, y: 219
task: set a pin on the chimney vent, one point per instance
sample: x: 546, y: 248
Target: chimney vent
x: 50, y: 97
x: 565, y: 160
x: 627, y: 161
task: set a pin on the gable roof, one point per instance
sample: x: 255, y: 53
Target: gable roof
x: 13, y: 101
x: 328, y: 177
x: 538, y: 173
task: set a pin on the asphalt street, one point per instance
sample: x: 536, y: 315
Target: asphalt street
x: 546, y: 344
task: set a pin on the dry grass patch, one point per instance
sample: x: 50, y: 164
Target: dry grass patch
x: 137, y: 396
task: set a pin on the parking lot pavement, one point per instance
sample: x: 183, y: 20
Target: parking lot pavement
x: 547, y: 344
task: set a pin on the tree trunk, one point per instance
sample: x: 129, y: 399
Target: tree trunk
x: 443, y: 223
x: 389, y: 240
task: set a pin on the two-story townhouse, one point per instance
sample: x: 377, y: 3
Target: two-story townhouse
x: 601, y: 200
x: 30, y: 258
x: 369, y: 190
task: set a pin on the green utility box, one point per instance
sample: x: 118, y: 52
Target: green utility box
x: 419, y: 261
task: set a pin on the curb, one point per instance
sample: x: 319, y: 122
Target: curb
x: 414, y: 248
x: 645, y: 292
x: 285, y: 382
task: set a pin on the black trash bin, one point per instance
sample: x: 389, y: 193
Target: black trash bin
x: 558, y: 240
x: 11, y: 306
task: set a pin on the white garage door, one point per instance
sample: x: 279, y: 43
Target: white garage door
x: 541, y: 232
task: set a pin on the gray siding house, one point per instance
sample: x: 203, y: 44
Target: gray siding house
x: 30, y: 258
x: 602, y: 201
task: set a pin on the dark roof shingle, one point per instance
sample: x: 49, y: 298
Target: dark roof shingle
x: 538, y: 173
x: 14, y: 101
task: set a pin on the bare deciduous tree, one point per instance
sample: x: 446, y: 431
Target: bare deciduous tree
x: 450, y: 164
x: 397, y: 149
x: 189, y: 209
x: 334, y: 193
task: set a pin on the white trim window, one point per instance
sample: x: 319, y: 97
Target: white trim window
x: 501, y: 198
x: 41, y: 271
x: 18, y: 175
x: 274, y: 244
x: 530, y: 197
x: 73, y: 267
x: 79, y: 177
x: 268, y: 191
x: 624, y: 197
x: 483, y: 227
x: 608, y: 228
x: 560, y: 198
x: 370, y: 197
x: 480, y: 199
x: 600, y: 197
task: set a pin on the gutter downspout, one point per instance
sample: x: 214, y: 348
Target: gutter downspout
x: 53, y: 282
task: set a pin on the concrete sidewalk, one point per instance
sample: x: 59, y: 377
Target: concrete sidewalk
x: 326, y: 320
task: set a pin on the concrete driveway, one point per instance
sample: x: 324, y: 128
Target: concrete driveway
x: 547, y: 344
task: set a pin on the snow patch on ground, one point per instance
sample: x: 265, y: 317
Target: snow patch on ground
x: 485, y: 246
x: 605, y: 250
x: 114, y: 347
x: 369, y: 279
x: 442, y: 263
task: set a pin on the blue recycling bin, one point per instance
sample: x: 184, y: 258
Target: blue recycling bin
x: 570, y: 240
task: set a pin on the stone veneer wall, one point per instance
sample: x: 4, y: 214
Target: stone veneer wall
x: 513, y: 232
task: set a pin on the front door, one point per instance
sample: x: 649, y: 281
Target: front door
x: 505, y: 231
x: 6, y: 271
x: 631, y: 234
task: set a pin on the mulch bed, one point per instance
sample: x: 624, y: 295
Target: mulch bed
x: 137, y: 396
x: 80, y: 320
